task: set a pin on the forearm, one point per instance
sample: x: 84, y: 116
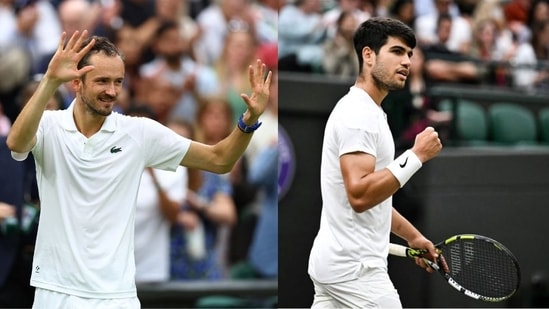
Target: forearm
x: 219, y: 158
x: 168, y: 207
x: 221, y: 210
x: 22, y: 135
x: 401, y: 227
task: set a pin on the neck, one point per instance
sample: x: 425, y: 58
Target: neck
x: 377, y: 94
x: 87, y: 122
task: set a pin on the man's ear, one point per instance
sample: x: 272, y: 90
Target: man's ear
x: 76, y: 84
x: 368, y: 56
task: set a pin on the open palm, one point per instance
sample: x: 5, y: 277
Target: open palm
x: 63, y: 65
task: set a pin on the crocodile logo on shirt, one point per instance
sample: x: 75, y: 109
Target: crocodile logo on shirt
x: 115, y: 149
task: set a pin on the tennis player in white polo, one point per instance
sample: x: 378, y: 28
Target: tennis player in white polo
x: 89, y: 162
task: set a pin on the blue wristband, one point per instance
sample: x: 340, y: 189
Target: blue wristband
x: 247, y: 129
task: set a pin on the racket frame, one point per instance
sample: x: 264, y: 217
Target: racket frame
x: 403, y: 251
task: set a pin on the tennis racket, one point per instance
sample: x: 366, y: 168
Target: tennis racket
x: 475, y: 265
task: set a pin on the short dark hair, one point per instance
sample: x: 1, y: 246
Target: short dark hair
x: 375, y: 32
x: 102, y: 44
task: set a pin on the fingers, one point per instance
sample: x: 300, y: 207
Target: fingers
x: 61, y: 44
x: 74, y: 38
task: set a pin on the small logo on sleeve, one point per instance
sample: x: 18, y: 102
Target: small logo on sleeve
x: 115, y: 149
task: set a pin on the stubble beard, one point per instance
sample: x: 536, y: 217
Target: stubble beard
x: 383, y: 81
x: 94, y: 110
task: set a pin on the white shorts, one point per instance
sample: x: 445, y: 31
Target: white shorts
x: 44, y: 299
x: 373, y: 289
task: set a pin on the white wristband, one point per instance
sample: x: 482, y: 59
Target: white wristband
x: 405, y: 166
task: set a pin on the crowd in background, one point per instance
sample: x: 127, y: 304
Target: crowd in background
x: 186, y: 65
x: 496, y: 42
x: 502, y: 44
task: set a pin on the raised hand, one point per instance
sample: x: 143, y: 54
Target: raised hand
x: 63, y: 65
x: 260, y: 85
x: 427, y: 144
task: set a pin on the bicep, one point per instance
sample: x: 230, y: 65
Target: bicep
x: 364, y: 186
x: 199, y: 156
x: 354, y: 168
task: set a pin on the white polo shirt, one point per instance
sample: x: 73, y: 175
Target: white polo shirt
x: 88, y: 189
x: 348, y: 240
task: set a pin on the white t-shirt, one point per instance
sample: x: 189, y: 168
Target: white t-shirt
x: 152, y: 229
x: 88, y: 188
x: 346, y: 239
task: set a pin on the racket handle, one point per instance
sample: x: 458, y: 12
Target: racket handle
x: 398, y: 250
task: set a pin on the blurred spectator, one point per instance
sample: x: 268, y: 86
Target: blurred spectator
x: 173, y: 64
x: 157, y: 94
x: 78, y: 15
x: 516, y: 16
x: 130, y: 47
x: 15, y: 63
x: 178, y: 12
x: 340, y: 57
x: 216, y: 20
x: 266, y: 19
x: 540, y: 45
x: 32, y: 24
x: 445, y: 65
x: 160, y: 196
x: 263, y: 253
x: 492, y: 47
x: 332, y: 16
x: 404, y: 10
x: 426, y: 28
x: 208, y: 208
x: 18, y: 224
x: 538, y: 12
x: 263, y: 156
x: 301, y: 33
x: 238, y: 53
x: 139, y: 17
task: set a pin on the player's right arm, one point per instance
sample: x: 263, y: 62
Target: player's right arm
x: 366, y: 187
x: 62, y: 68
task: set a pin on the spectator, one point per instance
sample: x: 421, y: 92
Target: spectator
x: 301, y: 33
x: 18, y: 222
x: 404, y: 10
x: 160, y: 196
x: 216, y: 20
x: 209, y: 206
x: 263, y: 155
x: 33, y: 25
x: 239, y: 51
x: 516, y: 16
x: 174, y: 65
x: 460, y: 34
x: 158, y: 95
x: 444, y: 65
x: 331, y: 16
x: 266, y: 19
x: 177, y: 11
x: 77, y: 15
x: 339, y: 53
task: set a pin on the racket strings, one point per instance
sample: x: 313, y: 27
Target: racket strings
x: 481, y: 267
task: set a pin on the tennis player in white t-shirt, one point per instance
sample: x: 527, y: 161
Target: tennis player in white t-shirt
x: 359, y: 175
x: 89, y: 162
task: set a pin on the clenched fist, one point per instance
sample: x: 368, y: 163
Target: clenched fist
x: 427, y: 144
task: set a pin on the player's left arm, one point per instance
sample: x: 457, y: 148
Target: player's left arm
x: 401, y: 227
x: 221, y: 157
